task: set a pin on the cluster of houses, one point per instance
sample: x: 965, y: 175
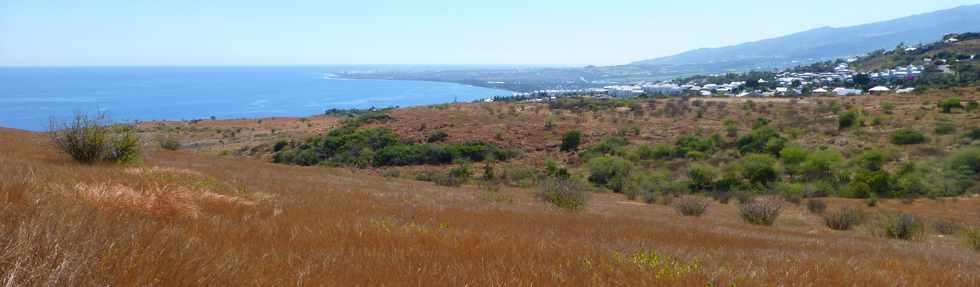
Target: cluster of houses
x: 837, y: 82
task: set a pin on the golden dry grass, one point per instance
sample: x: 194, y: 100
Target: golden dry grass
x: 184, y: 219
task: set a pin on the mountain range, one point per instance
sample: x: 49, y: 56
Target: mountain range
x: 820, y: 44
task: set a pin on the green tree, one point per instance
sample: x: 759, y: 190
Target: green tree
x: 570, y: 141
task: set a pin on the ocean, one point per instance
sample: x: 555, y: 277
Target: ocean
x: 31, y: 97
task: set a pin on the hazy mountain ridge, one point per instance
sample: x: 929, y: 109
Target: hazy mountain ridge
x: 826, y: 43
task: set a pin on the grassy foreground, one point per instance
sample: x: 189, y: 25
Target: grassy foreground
x: 187, y: 218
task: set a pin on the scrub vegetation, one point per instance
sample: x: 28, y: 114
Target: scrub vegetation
x: 579, y: 191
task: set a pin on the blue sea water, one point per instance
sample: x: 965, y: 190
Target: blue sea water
x: 30, y: 97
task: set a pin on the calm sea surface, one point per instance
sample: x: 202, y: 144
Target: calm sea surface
x: 30, y: 97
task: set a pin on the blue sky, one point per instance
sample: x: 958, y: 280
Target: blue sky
x: 308, y: 32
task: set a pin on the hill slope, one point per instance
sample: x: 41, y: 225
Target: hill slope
x: 824, y: 43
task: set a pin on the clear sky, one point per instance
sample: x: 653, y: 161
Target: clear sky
x: 309, y: 32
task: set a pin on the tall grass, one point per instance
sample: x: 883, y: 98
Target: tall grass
x: 185, y: 219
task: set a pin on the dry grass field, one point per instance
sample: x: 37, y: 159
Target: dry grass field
x: 194, y: 217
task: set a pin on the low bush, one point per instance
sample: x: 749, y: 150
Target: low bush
x: 903, y: 226
x: 702, y: 176
x: 946, y: 226
x: 947, y: 105
x: 759, y: 169
x: 972, y: 237
x: 689, y: 206
x: 843, y: 218
x: 974, y: 134
x: 610, y: 172
x: 379, y: 147
x: 391, y: 173
x: 437, y: 136
x: 944, y: 128
x: 643, y: 182
x: 847, y: 120
x: 762, y: 212
x: 90, y: 139
x: 169, y: 143
x: 565, y: 193
x: 816, y: 206
x: 872, y: 200
x: 519, y: 176
x: 456, y: 176
x: 908, y: 137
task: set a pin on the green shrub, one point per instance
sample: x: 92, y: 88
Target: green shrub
x: 873, y: 159
x: 759, y: 169
x: 169, y: 143
x: 888, y: 107
x: 610, y: 172
x: 821, y: 164
x: 689, y: 206
x: 843, y: 218
x: 762, y: 140
x: 793, y: 156
x: 944, y: 128
x: 611, y: 145
x: 967, y: 160
x: 437, y: 136
x: 974, y: 134
x: 402, y: 155
x: 662, y: 152
x: 872, y: 200
x: 947, y: 105
x: 847, y: 119
x: 456, y: 176
x: 570, y: 141
x: 565, y: 193
x: 762, y: 212
x: 908, y: 137
x: 972, y: 105
x: 643, y: 182
x: 790, y: 191
x: 426, y: 176
x: 89, y: 140
x: 878, y: 182
x: 702, y: 176
x: 731, y: 128
x: 125, y: 148
x: 690, y: 144
x: 904, y: 226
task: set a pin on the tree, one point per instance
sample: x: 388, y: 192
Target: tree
x: 862, y: 80
x: 570, y: 141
